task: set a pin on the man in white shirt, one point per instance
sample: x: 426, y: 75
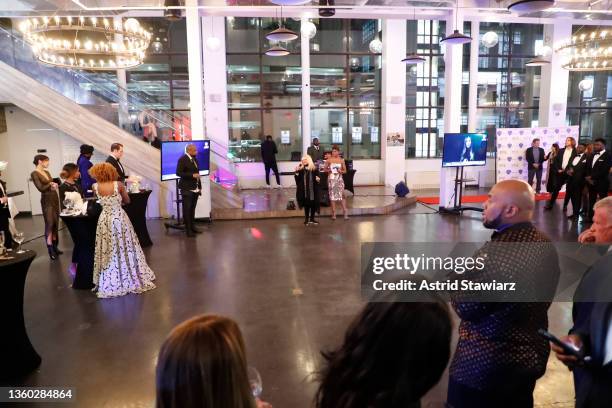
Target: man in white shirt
x: 592, y: 314
x: 558, y: 170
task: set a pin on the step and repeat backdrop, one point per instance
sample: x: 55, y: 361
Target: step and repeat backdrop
x: 512, y: 143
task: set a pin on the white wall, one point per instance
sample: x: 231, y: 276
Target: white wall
x: 19, y: 144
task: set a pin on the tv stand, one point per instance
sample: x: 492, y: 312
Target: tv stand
x: 178, y: 224
x: 457, y: 208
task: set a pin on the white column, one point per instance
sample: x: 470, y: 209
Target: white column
x: 123, y: 109
x: 555, y: 79
x: 473, y: 90
x: 194, y: 61
x: 196, y: 94
x: 453, y: 60
x: 305, y: 45
x: 215, y: 88
x: 393, y: 99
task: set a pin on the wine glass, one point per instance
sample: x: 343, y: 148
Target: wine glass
x: 19, y: 237
x: 255, y: 381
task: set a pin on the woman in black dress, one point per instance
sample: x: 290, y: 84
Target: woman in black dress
x: 49, y: 201
x: 70, y: 174
x: 550, y: 175
x: 307, y: 182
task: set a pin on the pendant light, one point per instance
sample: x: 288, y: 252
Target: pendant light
x: 538, y: 61
x: 456, y: 37
x: 277, y: 51
x: 530, y: 6
x: 281, y: 33
x: 413, y: 58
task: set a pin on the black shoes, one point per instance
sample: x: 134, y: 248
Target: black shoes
x: 52, y: 253
x: 313, y: 221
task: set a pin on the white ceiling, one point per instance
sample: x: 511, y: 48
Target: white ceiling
x: 575, y: 9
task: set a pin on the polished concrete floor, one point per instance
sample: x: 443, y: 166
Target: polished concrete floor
x: 293, y: 290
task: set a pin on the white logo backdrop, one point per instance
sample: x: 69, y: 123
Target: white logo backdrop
x: 512, y: 143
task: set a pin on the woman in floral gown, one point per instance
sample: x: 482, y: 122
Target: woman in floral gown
x: 119, y: 264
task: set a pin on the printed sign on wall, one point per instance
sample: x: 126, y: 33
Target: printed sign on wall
x: 356, y: 134
x: 285, y: 137
x: 336, y: 135
x: 374, y: 134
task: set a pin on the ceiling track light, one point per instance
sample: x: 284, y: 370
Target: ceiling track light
x: 530, y: 6
x: 277, y: 51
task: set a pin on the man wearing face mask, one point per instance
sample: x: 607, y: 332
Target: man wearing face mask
x: 499, y: 353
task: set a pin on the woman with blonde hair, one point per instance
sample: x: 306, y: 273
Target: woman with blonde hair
x: 307, y: 193
x: 119, y: 263
x: 203, y: 363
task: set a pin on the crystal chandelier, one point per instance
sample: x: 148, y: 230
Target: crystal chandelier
x: 587, y: 52
x: 89, y: 43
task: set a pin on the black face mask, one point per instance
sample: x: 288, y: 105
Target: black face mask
x: 493, y: 224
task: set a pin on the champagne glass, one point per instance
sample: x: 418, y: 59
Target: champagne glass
x: 19, y: 237
x: 255, y: 381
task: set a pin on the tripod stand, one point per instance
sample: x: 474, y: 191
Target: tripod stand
x: 178, y: 224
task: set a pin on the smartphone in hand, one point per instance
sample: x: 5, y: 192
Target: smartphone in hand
x: 568, y: 348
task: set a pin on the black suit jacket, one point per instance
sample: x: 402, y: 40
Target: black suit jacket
x: 268, y: 151
x: 118, y: 166
x: 599, y: 171
x: 558, y: 163
x: 591, y: 313
x: 578, y: 172
x: 185, y: 169
x: 531, y: 161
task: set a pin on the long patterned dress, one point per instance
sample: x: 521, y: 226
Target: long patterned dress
x: 120, y: 266
x: 335, y: 182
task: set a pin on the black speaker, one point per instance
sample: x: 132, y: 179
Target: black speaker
x: 327, y: 12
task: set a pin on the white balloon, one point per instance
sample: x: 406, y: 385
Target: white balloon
x: 132, y: 24
x: 213, y: 44
x: 490, y: 39
x: 376, y: 46
x: 585, y: 85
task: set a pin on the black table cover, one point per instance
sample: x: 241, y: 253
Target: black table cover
x: 17, y: 355
x: 82, y: 229
x: 137, y: 212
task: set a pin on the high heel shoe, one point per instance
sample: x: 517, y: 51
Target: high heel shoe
x: 52, y: 253
x: 55, y: 248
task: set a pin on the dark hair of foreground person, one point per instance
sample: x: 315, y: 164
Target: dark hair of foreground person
x: 392, y: 354
x: 203, y: 363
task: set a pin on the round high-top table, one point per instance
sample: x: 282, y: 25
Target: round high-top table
x: 137, y: 213
x: 17, y: 355
x: 82, y: 229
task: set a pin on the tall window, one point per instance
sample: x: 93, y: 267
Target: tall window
x: 263, y: 92
x: 508, y: 91
x: 345, y: 80
x: 591, y: 109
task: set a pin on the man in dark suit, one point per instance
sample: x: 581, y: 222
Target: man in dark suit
x: 191, y: 187
x: 115, y: 160
x: 268, y: 155
x: 315, y: 151
x: 535, y: 158
x: 559, y: 167
x: 592, y: 315
x: 576, y: 179
x: 597, y: 178
x: 5, y: 214
x: 499, y: 354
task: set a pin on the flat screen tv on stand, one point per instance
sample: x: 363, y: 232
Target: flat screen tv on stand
x: 461, y: 150
x: 171, y: 152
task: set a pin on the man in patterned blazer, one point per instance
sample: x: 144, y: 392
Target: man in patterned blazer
x: 499, y: 353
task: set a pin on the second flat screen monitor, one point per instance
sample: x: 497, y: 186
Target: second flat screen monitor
x: 464, y: 149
